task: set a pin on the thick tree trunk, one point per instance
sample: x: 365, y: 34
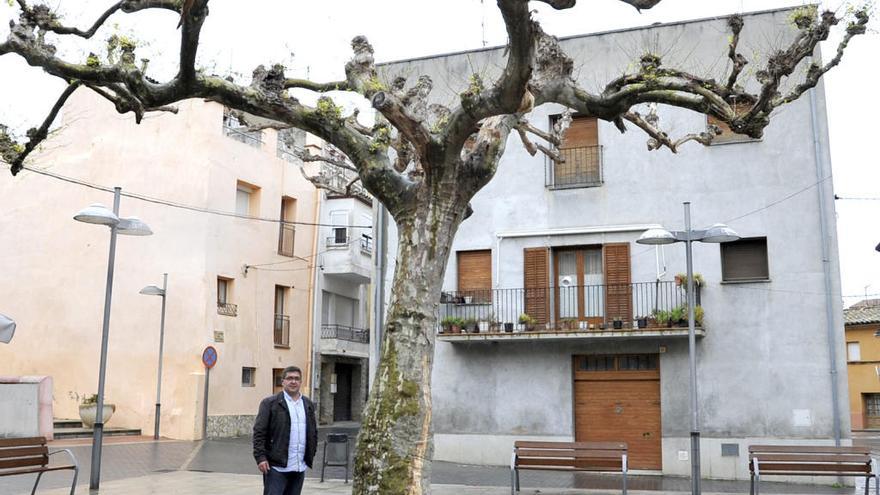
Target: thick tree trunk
x: 395, y: 444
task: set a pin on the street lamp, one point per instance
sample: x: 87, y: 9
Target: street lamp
x: 100, y: 215
x: 716, y: 233
x: 152, y: 290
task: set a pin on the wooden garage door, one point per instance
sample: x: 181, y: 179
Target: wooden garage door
x: 617, y: 398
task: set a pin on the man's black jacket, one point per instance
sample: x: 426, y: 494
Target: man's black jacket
x: 272, y: 431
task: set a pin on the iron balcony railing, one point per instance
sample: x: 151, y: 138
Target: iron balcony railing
x: 338, y: 239
x: 582, y: 168
x: 227, y: 309
x: 584, y: 307
x: 282, y: 331
x: 286, y: 237
x: 342, y: 332
x: 366, y: 244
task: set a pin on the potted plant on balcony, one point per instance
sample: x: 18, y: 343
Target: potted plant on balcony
x: 679, y: 315
x: 569, y: 324
x: 681, y: 280
x: 470, y: 325
x: 493, y: 324
x: 617, y: 323
x: 508, y: 327
x: 88, y: 410
x: 663, y: 317
x: 451, y: 324
x: 642, y: 322
x: 528, y: 322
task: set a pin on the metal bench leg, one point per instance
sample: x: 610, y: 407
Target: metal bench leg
x: 323, y: 462
x: 757, y: 484
x: 37, y: 482
x: 867, y: 484
x: 623, y: 469
x: 517, y: 480
x: 512, y: 483
x: 76, y: 475
x: 346, y: 461
x: 752, y: 484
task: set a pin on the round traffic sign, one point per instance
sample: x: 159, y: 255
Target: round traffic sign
x: 209, y: 357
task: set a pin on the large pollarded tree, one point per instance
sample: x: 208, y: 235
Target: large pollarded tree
x: 424, y: 161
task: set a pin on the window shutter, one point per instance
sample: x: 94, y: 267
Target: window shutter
x: 580, y: 149
x: 475, y: 274
x: 618, y: 288
x: 745, y: 259
x: 536, y: 275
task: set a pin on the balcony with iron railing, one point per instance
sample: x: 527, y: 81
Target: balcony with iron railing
x: 647, y: 309
x: 282, y: 331
x: 582, y: 167
x: 286, y: 236
x: 366, y: 244
x: 234, y: 128
x: 227, y: 309
x: 346, y: 333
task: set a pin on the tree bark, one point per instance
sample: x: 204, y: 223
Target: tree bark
x: 395, y: 445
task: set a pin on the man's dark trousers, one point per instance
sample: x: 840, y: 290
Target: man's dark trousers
x: 276, y: 483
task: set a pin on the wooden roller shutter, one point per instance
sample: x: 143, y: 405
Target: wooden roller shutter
x: 580, y: 148
x: 475, y: 274
x: 536, y: 273
x: 618, y: 287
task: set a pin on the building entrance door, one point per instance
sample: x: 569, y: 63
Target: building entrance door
x: 617, y: 399
x: 342, y: 399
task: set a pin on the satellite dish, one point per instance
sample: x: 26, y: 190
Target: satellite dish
x: 7, y: 328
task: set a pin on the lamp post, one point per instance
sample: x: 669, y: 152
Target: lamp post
x: 99, y: 214
x: 716, y: 233
x: 152, y: 290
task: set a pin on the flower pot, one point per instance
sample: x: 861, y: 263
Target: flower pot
x: 455, y: 329
x: 89, y: 414
x: 618, y: 324
x: 642, y: 322
x: 508, y: 327
x: 483, y: 326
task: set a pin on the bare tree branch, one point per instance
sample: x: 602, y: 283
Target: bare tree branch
x: 317, y: 87
x: 15, y: 154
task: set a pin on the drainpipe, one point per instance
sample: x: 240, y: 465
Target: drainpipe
x: 826, y: 265
x: 314, y: 286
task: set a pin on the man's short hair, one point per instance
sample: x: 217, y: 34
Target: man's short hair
x: 291, y: 369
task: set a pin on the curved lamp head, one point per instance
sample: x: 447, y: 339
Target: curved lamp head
x: 98, y: 214
x: 152, y: 290
x: 656, y: 237
x: 7, y: 329
x: 720, y: 233
x: 133, y: 226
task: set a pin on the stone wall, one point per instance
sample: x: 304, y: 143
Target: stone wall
x: 230, y: 425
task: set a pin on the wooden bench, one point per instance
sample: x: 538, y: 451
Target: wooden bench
x: 567, y: 456
x: 812, y: 460
x: 31, y: 455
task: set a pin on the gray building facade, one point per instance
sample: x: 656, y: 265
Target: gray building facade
x: 548, y: 261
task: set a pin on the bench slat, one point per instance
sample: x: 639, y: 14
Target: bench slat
x: 17, y: 442
x: 564, y: 468
x: 847, y: 458
x: 35, y: 470
x: 24, y: 461
x: 546, y: 461
x: 801, y: 473
x: 23, y: 452
x: 808, y: 449
x: 835, y: 468
x: 568, y: 453
x: 526, y: 444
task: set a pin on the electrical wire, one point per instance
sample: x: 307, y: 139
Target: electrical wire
x: 172, y: 204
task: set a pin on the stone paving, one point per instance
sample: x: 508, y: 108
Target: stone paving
x: 142, y: 466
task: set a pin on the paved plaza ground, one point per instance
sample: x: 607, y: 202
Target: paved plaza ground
x: 141, y: 466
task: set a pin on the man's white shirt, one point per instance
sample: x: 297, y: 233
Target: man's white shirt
x: 296, y: 450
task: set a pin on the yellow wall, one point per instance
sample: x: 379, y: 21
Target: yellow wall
x: 863, y: 375
x: 54, y: 268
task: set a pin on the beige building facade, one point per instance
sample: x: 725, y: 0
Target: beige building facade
x: 241, y: 285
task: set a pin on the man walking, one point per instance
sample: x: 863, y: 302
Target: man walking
x: 285, y: 436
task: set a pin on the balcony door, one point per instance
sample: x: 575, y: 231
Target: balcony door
x: 580, y: 284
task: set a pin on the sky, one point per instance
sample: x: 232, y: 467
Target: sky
x: 311, y: 38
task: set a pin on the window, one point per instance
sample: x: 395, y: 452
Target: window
x: 744, y: 260
x: 728, y: 136
x: 287, y: 230
x: 582, y: 154
x: 339, y: 230
x: 475, y: 276
x: 276, y: 379
x: 248, y: 375
x: 247, y: 199
x: 853, y: 351
x: 282, y: 321
x: 234, y: 127
x: 224, y: 295
x: 290, y: 142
